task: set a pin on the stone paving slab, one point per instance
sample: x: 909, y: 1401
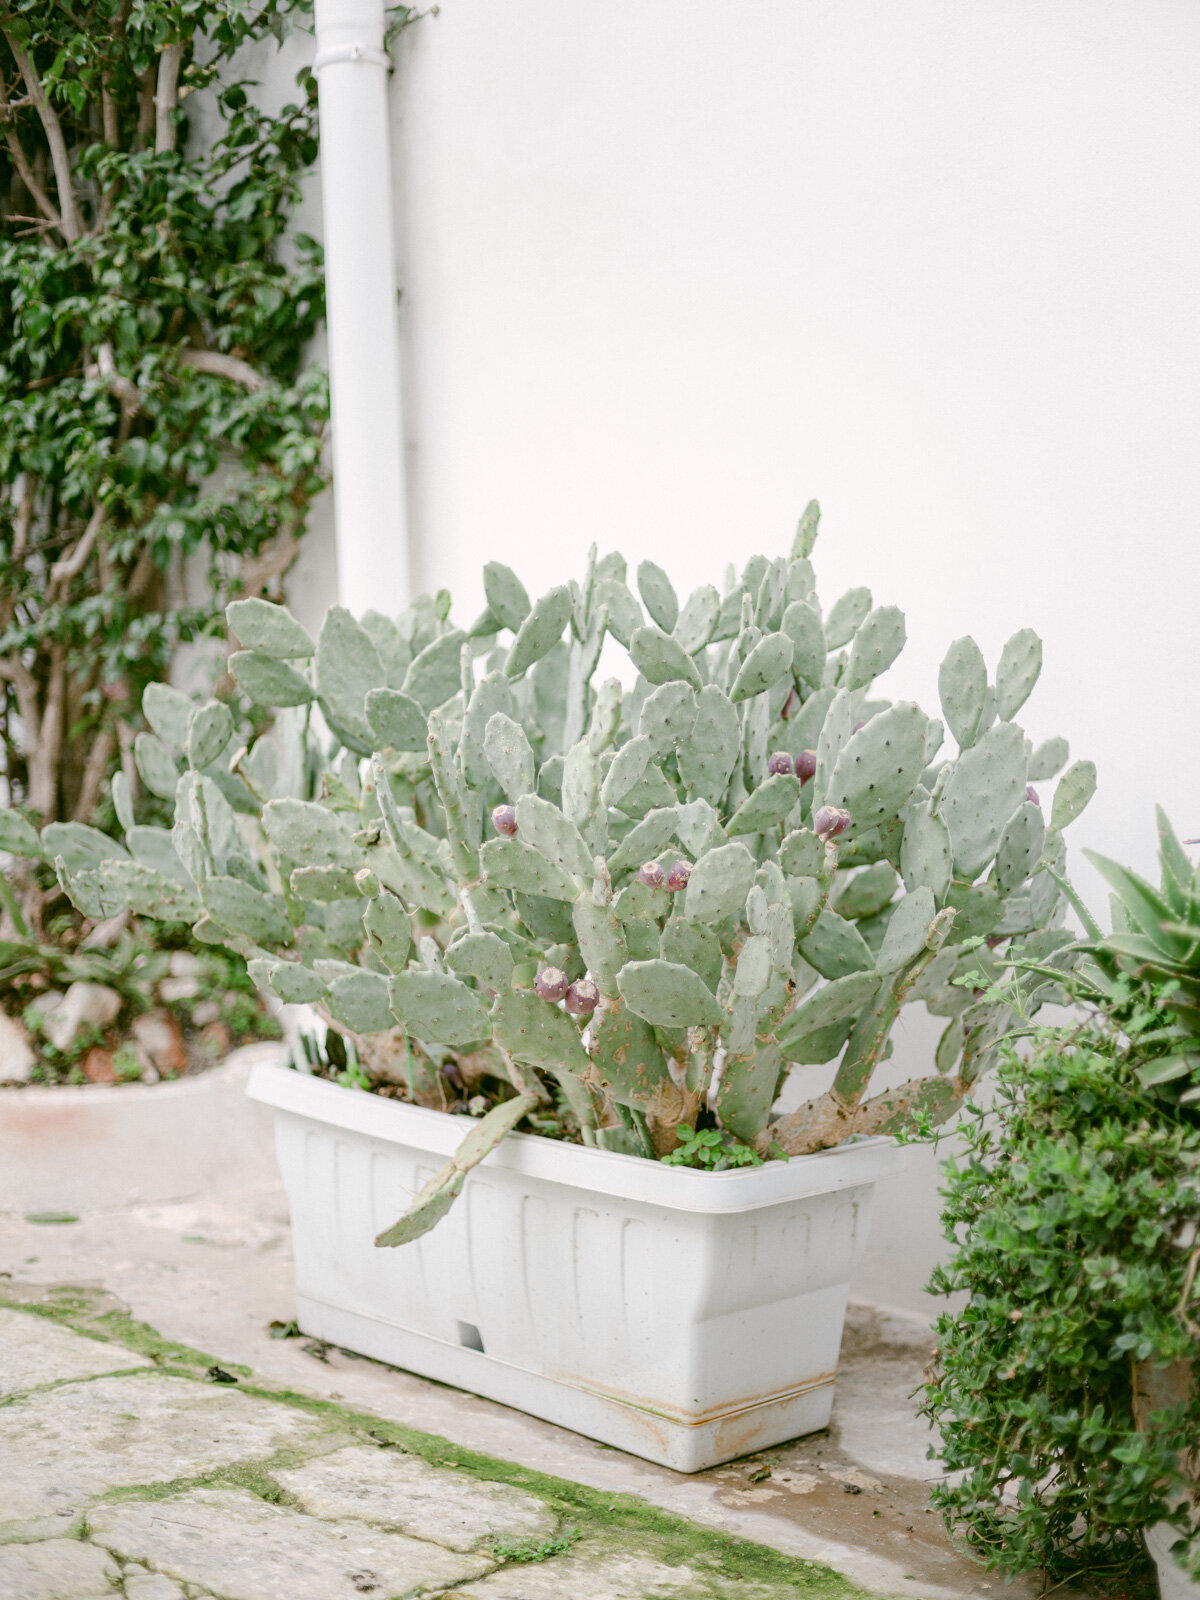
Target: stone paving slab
x: 57, y: 1569
x: 407, y: 1493
x: 609, y: 1575
x: 152, y: 1484
x: 217, y: 1273
x: 55, y: 1355
x: 144, y: 1585
x: 247, y: 1549
x: 61, y: 1447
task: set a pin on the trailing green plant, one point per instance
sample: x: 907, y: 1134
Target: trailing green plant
x: 611, y: 909
x: 1073, y: 1212
x: 153, y: 403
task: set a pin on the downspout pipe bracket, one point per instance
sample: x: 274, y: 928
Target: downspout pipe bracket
x: 365, y: 53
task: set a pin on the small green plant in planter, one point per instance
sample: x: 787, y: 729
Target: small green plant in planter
x: 1068, y: 1390
x: 611, y: 909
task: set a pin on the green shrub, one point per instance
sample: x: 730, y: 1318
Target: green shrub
x: 1074, y: 1211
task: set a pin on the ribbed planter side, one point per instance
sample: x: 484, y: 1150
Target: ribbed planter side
x: 97, y: 1147
x: 687, y: 1317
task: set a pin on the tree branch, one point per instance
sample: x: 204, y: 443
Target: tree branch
x: 69, y: 224
x: 128, y: 764
x: 217, y: 365
x: 94, y: 772
x: 145, y: 122
x: 21, y: 162
x: 70, y: 566
x: 123, y: 388
x: 44, y: 754
x: 165, y: 97
x: 270, y: 562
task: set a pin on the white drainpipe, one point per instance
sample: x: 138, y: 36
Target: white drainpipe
x: 360, y: 284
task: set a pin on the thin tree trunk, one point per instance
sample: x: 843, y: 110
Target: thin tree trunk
x: 47, y: 741
x: 165, y: 97
x: 94, y: 772
x: 68, y: 210
x: 24, y: 171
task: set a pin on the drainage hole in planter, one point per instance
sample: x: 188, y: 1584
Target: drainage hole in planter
x: 469, y: 1337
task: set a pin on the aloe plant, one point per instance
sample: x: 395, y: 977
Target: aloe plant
x: 1145, y: 973
x: 635, y: 905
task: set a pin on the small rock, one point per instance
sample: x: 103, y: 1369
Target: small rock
x: 216, y: 1040
x: 85, y: 1005
x: 159, y: 1039
x: 207, y: 1011
x: 183, y: 964
x: 97, y: 1065
x: 17, y: 1055
x: 171, y: 990
x: 105, y: 934
x: 47, y: 1002
x: 854, y: 1480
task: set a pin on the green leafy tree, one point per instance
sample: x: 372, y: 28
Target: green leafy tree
x: 154, y: 405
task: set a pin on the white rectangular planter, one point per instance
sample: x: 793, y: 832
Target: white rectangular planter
x: 687, y: 1317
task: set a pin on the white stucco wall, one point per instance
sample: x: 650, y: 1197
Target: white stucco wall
x: 671, y: 268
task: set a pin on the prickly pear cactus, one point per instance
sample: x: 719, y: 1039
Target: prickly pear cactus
x: 613, y: 908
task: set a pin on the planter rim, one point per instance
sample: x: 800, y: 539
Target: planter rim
x: 857, y: 1162
x: 112, y: 1094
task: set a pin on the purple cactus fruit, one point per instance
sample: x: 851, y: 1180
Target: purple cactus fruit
x: 829, y: 821
x: 678, y: 876
x: 779, y: 762
x: 551, y: 983
x: 790, y: 704
x: 806, y: 765
x: 1032, y: 794
x: 582, y: 997
x: 504, y: 820
x: 652, y: 875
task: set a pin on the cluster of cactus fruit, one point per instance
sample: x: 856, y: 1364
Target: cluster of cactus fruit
x: 626, y: 911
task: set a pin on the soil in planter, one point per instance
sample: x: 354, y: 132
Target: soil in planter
x: 150, y: 1006
x: 473, y: 1084
x: 468, y: 1085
